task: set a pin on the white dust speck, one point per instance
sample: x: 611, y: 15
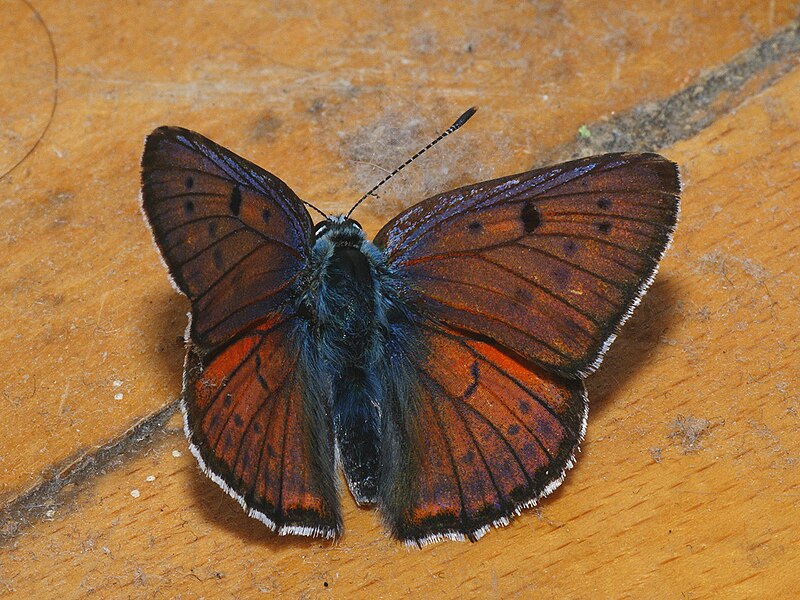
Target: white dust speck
x: 116, y: 383
x: 150, y: 478
x: 135, y: 493
x: 118, y: 396
x: 176, y: 453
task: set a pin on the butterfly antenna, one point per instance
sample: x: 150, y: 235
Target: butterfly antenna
x: 459, y: 122
x: 309, y: 205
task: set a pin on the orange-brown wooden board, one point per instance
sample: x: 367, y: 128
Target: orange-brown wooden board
x: 688, y: 478
x: 327, y: 96
x: 687, y: 485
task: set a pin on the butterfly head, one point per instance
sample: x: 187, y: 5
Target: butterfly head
x: 341, y: 230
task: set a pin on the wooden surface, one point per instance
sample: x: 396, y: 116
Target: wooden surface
x: 688, y: 484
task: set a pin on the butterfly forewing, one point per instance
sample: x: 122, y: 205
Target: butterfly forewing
x: 547, y: 263
x: 491, y: 433
x: 251, y: 426
x: 234, y: 236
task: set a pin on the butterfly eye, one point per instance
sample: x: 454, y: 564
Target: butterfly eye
x: 320, y: 229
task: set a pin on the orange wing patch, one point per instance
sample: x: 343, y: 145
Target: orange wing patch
x: 249, y: 425
x: 494, y: 435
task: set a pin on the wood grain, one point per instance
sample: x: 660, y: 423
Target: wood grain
x: 688, y: 481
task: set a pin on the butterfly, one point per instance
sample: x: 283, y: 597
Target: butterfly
x: 439, y: 366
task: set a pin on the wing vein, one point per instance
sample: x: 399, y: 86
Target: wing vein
x: 560, y: 259
x: 269, y: 395
x: 279, y: 508
x: 217, y: 393
x: 227, y: 272
x: 493, y: 427
x: 541, y: 287
x: 449, y: 451
x: 267, y: 430
x: 206, y: 300
x: 489, y: 317
x: 159, y: 199
x: 167, y: 232
x: 579, y: 236
x: 261, y: 298
x: 452, y: 400
x: 505, y: 296
x: 608, y: 192
x: 205, y: 249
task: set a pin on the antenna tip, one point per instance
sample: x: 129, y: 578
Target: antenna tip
x: 465, y: 117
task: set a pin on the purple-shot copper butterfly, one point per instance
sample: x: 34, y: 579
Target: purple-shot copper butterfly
x: 440, y: 366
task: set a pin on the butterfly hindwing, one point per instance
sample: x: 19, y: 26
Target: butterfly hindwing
x: 547, y: 263
x: 489, y: 434
x: 234, y: 236
x: 252, y: 427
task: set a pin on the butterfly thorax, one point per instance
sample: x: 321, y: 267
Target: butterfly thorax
x: 340, y: 297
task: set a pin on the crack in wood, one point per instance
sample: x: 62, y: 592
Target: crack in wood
x: 662, y: 123
x: 36, y: 503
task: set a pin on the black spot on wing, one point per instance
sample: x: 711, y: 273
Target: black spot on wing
x: 561, y: 276
x: 475, y: 370
x: 604, y: 227
x: 259, y: 376
x: 475, y: 227
x: 189, y: 207
x: 236, y: 200
x: 265, y: 215
x: 189, y: 182
x: 530, y: 217
x: 523, y: 295
x: 216, y: 255
x: 604, y: 203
